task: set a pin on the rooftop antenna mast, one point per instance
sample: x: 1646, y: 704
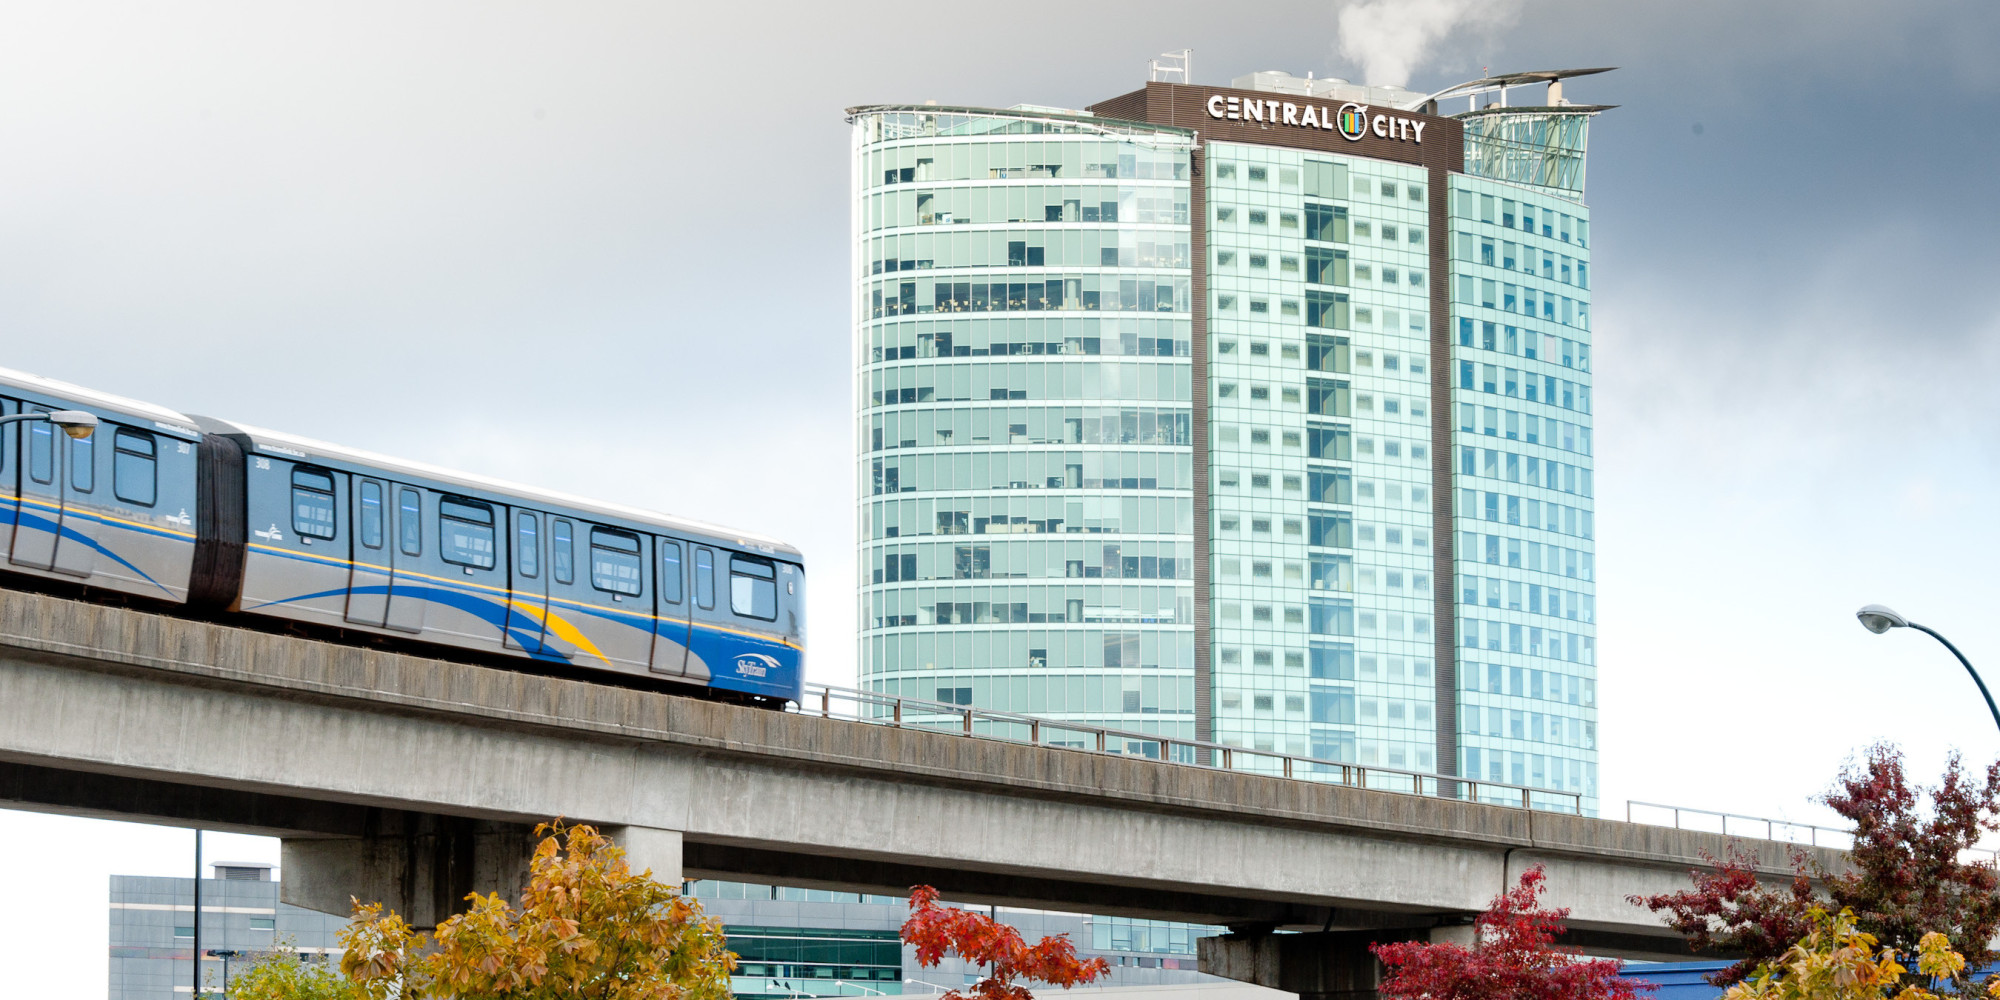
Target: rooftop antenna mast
x: 1170, y: 65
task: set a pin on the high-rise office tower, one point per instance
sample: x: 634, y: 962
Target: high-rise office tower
x: 1257, y: 415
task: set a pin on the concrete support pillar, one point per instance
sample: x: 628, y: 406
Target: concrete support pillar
x: 1463, y: 935
x: 1332, y: 965
x: 419, y: 865
x: 647, y: 848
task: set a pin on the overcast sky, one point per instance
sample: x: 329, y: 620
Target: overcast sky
x: 601, y: 247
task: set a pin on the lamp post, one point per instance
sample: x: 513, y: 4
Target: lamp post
x: 195, y: 940
x: 1879, y: 619
x: 225, y: 954
x: 75, y: 423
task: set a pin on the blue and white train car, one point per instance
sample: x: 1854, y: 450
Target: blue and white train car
x: 358, y: 541
x: 116, y: 510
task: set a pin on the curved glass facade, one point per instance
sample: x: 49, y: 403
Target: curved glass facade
x: 1022, y: 314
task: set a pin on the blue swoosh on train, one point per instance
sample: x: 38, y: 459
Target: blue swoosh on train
x: 30, y: 519
x: 491, y: 612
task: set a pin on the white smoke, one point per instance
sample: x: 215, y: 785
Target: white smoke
x: 1390, y: 38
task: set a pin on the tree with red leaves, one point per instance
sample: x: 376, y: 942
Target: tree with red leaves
x: 1513, y: 957
x: 1906, y: 876
x: 979, y: 939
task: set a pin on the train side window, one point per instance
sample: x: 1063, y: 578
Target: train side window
x: 704, y: 579
x: 82, y: 465
x: 561, y: 553
x: 753, y: 588
x: 465, y: 532
x: 528, y: 546
x: 135, y: 467
x: 670, y: 571
x: 41, y: 451
x: 614, y: 561
x: 371, y: 514
x: 409, y: 521
x: 312, y: 503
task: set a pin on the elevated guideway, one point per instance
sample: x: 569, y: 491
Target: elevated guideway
x: 413, y: 780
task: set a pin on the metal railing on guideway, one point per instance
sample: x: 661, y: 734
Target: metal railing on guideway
x: 979, y: 723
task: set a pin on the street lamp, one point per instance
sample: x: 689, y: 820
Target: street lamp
x: 75, y: 423
x: 225, y: 954
x: 1879, y: 619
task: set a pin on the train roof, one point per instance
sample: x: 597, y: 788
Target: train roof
x: 292, y: 444
x: 166, y: 419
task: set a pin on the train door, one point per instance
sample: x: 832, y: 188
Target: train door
x: 76, y: 552
x: 10, y: 460
x: 615, y: 615
x: 670, y: 649
x: 470, y: 593
x: 368, y: 580
x: 38, y: 509
x: 708, y: 625
x: 528, y: 587
x: 407, y: 588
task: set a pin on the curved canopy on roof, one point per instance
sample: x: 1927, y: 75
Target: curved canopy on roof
x: 1505, y: 80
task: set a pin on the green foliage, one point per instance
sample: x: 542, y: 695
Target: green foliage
x: 1837, y: 960
x: 282, y: 975
x: 587, y: 929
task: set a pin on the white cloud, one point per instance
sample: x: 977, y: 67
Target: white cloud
x: 1389, y: 39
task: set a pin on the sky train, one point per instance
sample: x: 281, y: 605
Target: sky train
x: 220, y: 517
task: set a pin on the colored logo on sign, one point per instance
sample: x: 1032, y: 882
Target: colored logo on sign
x: 1353, y: 121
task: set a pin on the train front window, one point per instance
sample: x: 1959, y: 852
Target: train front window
x: 465, y: 532
x: 614, y: 562
x: 527, y: 546
x: 409, y: 521
x: 371, y: 515
x: 561, y: 555
x: 704, y: 579
x: 312, y: 503
x: 753, y: 588
x: 670, y: 572
x: 134, y: 467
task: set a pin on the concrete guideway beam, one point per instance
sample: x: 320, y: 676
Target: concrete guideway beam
x: 279, y: 722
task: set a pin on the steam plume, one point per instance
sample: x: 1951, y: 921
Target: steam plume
x: 1390, y: 38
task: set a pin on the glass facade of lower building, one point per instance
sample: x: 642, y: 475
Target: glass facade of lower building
x: 793, y: 942
x: 1026, y: 516
x: 153, y: 934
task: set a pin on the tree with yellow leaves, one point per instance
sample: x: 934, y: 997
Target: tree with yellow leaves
x: 1836, y: 960
x: 587, y: 929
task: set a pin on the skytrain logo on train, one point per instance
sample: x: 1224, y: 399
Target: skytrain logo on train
x: 755, y: 665
x: 1351, y: 120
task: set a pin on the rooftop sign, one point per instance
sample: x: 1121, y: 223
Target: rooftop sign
x: 1351, y: 120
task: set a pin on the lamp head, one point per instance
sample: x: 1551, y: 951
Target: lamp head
x: 1879, y: 619
x: 75, y: 423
